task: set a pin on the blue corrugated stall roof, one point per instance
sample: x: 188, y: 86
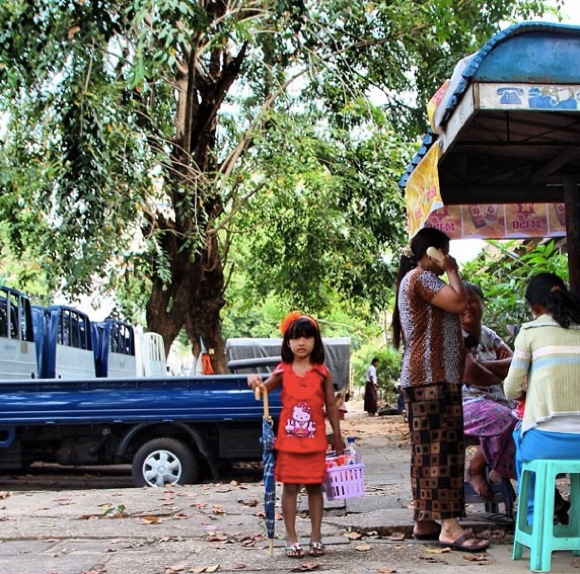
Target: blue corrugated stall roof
x: 524, y: 52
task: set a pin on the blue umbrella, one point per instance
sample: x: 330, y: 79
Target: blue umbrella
x: 268, y: 461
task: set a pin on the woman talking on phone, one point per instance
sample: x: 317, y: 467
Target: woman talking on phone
x: 426, y: 323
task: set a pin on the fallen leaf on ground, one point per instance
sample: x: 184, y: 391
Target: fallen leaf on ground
x: 250, y: 503
x: 217, y: 538
x: 238, y: 566
x: 385, y: 570
x: 363, y: 547
x: 397, y: 536
x: 475, y: 557
x: 151, y: 519
x: 113, y: 511
x: 354, y: 535
x: 306, y: 567
x: 175, y: 568
x: 199, y: 569
x: 434, y: 550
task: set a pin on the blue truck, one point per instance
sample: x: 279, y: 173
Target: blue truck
x: 72, y: 393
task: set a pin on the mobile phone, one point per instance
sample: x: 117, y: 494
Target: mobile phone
x: 435, y: 254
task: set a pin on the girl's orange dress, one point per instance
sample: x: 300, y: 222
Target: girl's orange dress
x: 301, y: 441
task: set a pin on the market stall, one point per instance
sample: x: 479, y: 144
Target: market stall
x: 502, y: 158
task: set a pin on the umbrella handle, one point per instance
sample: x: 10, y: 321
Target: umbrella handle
x: 261, y: 389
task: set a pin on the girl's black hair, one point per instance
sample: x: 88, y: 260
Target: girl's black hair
x: 548, y: 290
x: 425, y: 238
x: 303, y: 327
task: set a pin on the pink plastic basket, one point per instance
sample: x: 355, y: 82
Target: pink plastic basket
x: 346, y: 481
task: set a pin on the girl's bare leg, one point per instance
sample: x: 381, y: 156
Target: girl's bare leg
x: 289, y: 500
x: 315, y: 508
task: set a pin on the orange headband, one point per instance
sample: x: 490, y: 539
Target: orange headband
x: 291, y: 318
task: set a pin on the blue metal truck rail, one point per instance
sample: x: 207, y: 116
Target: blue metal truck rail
x: 168, y: 428
x: 99, y: 401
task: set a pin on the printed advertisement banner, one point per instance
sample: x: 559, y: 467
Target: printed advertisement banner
x: 499, y: 221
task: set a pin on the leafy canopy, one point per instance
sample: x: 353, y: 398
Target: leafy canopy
x: 145, y: 138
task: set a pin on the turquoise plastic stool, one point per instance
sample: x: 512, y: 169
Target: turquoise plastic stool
x: 543, y: 537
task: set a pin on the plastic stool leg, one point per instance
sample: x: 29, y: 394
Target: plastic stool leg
x: 575, y: 506
x: 522, y: 514
x: 541, y: 512
x: 548, y: 524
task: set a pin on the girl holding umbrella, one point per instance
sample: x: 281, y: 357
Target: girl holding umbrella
x: 301, y: 443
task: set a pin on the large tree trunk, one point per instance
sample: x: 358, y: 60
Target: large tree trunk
x: 193, y: 297
x: 192, y: 300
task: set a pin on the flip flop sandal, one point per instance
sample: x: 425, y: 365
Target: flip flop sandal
x: 294, y: 551
x: 462, y: 543
x: 317, y: 549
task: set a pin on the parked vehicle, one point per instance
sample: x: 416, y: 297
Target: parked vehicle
x: 250, y: 355
x: 78, y: 393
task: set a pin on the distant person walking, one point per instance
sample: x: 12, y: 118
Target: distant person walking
x: 370, y: 404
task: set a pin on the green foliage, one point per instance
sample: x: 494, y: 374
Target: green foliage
x: 243, y: 318
x: 144, y: 138
x: 326, y: 209
x: 503, y: 273
x: 388, y: 370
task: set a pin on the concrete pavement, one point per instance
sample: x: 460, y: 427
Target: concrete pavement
x: 219, y: 527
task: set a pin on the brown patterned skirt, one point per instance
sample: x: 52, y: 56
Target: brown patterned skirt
x: 435, y: 414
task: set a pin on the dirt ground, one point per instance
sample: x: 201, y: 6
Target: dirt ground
x: 391, y: 429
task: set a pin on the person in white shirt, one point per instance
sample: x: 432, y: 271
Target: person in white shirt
x: 370, y: 404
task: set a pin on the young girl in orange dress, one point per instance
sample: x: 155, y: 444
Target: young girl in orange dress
x: 301, y: 442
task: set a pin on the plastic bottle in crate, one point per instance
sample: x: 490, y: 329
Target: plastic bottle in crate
x: 354, y: 456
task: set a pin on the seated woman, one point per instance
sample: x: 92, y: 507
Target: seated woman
x: 546, y: 366
x: 487, y: 414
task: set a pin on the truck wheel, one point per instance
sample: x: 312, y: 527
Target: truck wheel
x: 164, y: 461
